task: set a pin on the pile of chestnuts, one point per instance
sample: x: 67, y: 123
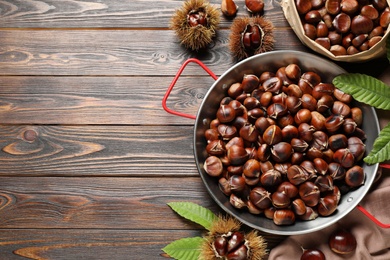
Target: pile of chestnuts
x: 286, y: 145
x: 344, y: 27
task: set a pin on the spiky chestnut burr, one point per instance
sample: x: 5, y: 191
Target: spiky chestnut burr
x: 195, y: 24
x: 250, y: 36
x: 226, y: 241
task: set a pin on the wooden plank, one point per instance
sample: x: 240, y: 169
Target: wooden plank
x: 98, y: 203
x: 119, y: 244
x: 113, y: 52
x: 116, y: 244
x: 108, y: 13
x: 99, y: 100
x: 32, y: 150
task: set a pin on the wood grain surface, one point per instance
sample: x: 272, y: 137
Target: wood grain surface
x: 88, y: 157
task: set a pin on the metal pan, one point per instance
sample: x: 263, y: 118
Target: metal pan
x: 271, y: 61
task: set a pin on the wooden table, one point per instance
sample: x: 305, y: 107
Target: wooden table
x: 89, y: 159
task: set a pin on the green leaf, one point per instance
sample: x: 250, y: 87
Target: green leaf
x: 185, y: 248
x: 381, y: 148
x: 365, y: 88
x: 195, y: 213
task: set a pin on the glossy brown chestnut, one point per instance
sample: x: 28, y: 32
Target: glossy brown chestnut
x: 312, y: 254
x: 249, y: 83
x: 336, y: 171
x: 237, y: 155
x: 272, y: 135
x: 354, y: 177
x: 298, y: 206
x: 280, y: 200
x: 356, y: 147
x: 284, y: 217
x: 260, y: 197
x: 213, y: 166
x: 296, y: 175
x: 281, y: 152
x: 342, y: 242
x: 344, y: 157
x: 309, y: 193
x: 271, y: 178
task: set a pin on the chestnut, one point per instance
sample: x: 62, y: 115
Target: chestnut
x: 216, y: 147
x: 282, y: 167
x: 344, y: 157
x: 251, y: 103
x: 253, y: 209
x: 303, y: 6
x: 273, y: 85
x: 237, y: 155
x: 249, y: 133
x: 349, y: 126
x: 235, y: 90
x: 334, y: 122
x: 296, y: 175
x: 320, y: 140
x: 293, y: 104
x: 280, y: 200
x: 281, y: 152
x: 337, y: 141
x: 213, y: 166
x: 309, y: 193
x: 211, y: 134
x: 342, y: 96
x: 312, y: 254
x: 327, y: 206
x: 226, y: 113
x: 260, y: 197
x: 272, y: 135
x: 271, y: 178
x: 306, y: 132
x: 251, y: 168
x: 310, y: 214
x: 303, y: 116
x: 288, y: 188
x: 361, y: 24
x: 276, y: 110
x: 254, y: 6
x: 298, y: 206
x: 324, y: 183
x: 289, y: 132
x: 336, y: 171
x: 294, y: 90
x: 293, y: 72
x: 356, y: 147
x: 333, y: 6
x: 263, y: 152
x: 340, y: 108
x: 249, y: 83
x: 320, y: 165
x: 227, y: 132
x: 224, y: 186
x: 317, y: 120
x: 324, y: 103
x: 354, y: 177
x: 262, y: 124
x: 284, y: 217
x: 299, y: 145
x: 342, y: 22
x: 342, y: 242
x: 309, y: 102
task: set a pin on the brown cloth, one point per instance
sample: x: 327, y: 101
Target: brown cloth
x: 373, y: 242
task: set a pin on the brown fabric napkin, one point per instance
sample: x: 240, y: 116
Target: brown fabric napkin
x: 373, y: 242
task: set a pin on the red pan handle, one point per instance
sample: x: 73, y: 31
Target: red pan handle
x: 164, y: 101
